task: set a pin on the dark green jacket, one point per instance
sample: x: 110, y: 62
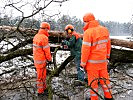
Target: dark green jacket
x: 75, y: 46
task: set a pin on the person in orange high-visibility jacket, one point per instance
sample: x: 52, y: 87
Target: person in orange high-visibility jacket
x: 41, y: 55
x: 94, y: 54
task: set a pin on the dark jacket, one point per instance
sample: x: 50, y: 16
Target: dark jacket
x: 75, y: 44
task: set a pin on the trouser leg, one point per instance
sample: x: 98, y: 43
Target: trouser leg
x: 80, y: 73
x: 41, y: 79
x: 93, y: 82
x: 106, y: 84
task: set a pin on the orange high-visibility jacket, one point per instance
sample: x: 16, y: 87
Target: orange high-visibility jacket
x: 41, y: 48
x: 96, y: 44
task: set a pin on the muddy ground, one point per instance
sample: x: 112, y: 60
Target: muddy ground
x: 25, y: 88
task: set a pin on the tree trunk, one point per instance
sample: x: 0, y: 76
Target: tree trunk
x: 122, y: 56
x: 57, y: 36
x: 122, y: 43
x: 117, y: 55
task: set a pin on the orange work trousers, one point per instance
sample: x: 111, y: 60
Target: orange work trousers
x: 41, y: 79
x: 95, y: 76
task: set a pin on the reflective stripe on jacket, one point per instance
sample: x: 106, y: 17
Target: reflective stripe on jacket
x: 41, y: 48
x: 96, y: 44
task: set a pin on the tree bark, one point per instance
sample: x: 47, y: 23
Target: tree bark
x: 122, y: 56
x: 57, y: 36
x: 117, y: 55
x: 15, y: 54
x: 122, y: 43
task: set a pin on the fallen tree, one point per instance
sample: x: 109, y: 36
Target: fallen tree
x: 117, y: 55
x: 24, y: 48
x: 122, y: 43
x: 55, y: 36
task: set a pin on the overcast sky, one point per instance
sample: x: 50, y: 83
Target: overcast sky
x: 105, y: 10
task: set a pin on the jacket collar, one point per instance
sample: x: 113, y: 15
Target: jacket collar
x: 91, y: 24
x: 76, y: 35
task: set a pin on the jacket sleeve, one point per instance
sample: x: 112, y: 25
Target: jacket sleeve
x: 108, y: 48
x: 86, y: 46
x: 46, y: 49
x: 71, y: 42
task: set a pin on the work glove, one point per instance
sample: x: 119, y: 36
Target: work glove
x: 82, y: 69
x: 108, y: 66
x: 107, y: 60
x: 49, y: 62
x: 63, y: 42
x: 82, y: 65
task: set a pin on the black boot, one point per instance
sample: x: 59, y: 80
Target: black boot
x: 86, y: 80
x: 45, y: 92
x: 87, y: 98
x: 108, y: 98
x: 78, y: 83
x: 40, y: 94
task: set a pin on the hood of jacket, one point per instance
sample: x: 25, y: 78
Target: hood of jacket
x: 42, y: 31
x: 91, y: 24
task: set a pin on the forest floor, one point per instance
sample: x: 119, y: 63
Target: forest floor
x: 25, y: 88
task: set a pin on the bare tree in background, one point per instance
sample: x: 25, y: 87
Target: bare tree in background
x: 16, y: 63
x: 16, y: 43
x: 131, y: 26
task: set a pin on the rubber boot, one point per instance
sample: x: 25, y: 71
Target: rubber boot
x: 87, y: 98
x: 40, y: 96
x: 108, y: 98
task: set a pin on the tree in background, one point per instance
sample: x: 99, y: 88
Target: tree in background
x: 15, y: 45
x: 115, y: 28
